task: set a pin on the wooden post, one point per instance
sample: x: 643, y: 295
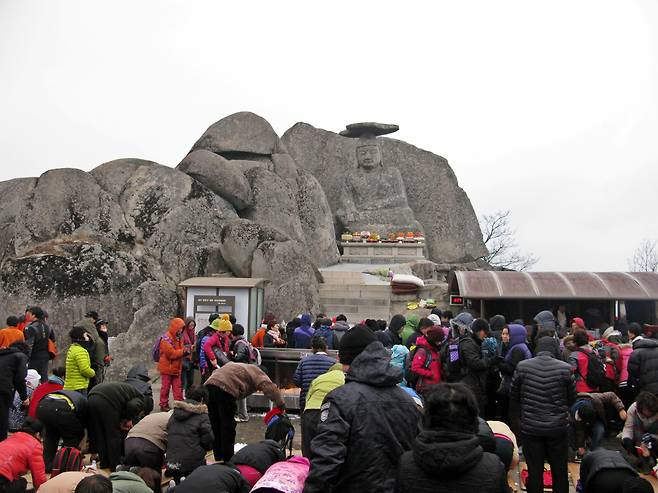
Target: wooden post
x: 481, y: 308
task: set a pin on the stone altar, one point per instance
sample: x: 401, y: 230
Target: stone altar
x: 381, y: 253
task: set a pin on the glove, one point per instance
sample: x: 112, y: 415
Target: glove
x: 489, y: 347
x: 647, y: 440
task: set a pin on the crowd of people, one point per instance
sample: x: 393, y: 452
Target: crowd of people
x: 437, y: 403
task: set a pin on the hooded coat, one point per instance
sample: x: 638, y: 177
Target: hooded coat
x: 391, y: 336
x: 171, y: 350
x: 643, y: 366
x: 340, y: 327
x: 128, y: 482
x: 189, y: 436
x: 303, y: 334
x: 474, y: 367
x: 517, y: 351
x: 138, y: 377
x: 450, y: 461
x: 410, y: 326
x: 602, y: 460
x: 428, y: 374
x: 365, y: 427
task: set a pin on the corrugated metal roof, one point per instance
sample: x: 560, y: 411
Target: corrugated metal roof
x: 224, y: 282
x: 556, y: 285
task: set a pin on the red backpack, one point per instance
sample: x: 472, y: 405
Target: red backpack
x: 67, y: 459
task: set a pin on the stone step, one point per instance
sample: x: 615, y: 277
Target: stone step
x: 370, y: 302
x: 340, y: 277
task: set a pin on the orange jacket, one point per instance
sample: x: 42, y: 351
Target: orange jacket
x: 10, y: 335
x: 171, y: 353
x: 258, y: 339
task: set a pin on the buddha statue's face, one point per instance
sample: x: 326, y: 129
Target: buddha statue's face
x: 368, y: 156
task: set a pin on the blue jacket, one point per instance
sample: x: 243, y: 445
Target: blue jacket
x: 328, y: 334
x: 308, y: 369
x: 302, y: 337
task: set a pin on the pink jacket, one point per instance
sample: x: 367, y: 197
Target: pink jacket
x: 221, y: 341
x: 285, y: 477
x: 625, y: 351
x: 21, y: 452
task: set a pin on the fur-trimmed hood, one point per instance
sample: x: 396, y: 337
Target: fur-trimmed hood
x: 185, y: 409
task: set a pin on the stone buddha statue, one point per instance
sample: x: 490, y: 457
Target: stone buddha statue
x: 374, y: 197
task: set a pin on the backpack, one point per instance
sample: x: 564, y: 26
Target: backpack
x: 196, y: 355
x: 327, y: 334
x: 411, y: 376
x: 451, y: 367
x: 254, y: 354
x: 67, y: 459
x: 279, y: 429
x: 610, y: 356
x: 595, y: 369
x: 155, y: 350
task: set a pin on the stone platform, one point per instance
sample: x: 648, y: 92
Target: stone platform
x: 381, y: 253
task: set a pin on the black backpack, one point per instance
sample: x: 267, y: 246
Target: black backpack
x: 595, y: 369
x: 281, y: 430
x: 451, y: 367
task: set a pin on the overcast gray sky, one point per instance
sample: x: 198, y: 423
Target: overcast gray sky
x: 547, y: 108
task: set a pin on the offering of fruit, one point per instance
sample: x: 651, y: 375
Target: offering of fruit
x: 346, y: 237
x: 373, y: 238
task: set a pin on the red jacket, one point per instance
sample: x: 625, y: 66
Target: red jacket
x: 21, y: 452
x: 39, y: 393
x: 220, y: 340
x: 171, y: 353
x: 430, y: 375
x: 580, y: 366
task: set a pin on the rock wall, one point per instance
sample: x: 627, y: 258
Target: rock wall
x: 439, y: 204
x: 242, y: 202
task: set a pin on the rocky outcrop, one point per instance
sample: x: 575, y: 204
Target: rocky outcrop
x: 433, y: 193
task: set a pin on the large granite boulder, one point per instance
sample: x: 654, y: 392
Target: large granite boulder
x: 274, y: 203
x: 242, y: 132
x: 13, y: 194
x: 294, y: 281
x: 438, y: 203
x: 317, y: 220
x: 219, y: 175
x: 239, y: 240
x: 67, y: 204
x: 153, y: 304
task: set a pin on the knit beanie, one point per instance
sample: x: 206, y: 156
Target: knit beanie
x: 222, y: 324
x: 353, y: 342
x: 636, y: 484
x: 435, y: 335
x: 548, y: 344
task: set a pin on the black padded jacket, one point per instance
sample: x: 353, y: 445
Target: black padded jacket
x: 545, y: 389
x: 643, y: 366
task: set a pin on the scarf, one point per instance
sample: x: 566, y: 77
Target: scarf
x: 276, y: 335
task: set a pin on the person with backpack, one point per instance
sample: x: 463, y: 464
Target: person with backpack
x: 63, y: 414
x: 425, y: 367
x: 202, y: 337
x: 169, y: 355
x: 112, y: 407
x: 391, y: 335
x: 242, y: 352
x: 189, y: 435
x: 226, y: 385
x: 301, y: 338
x: 189, y: 341
x: 326, y: 332
x: 587, y: 367
x: 78, y: 363
x: 424, y: 324
x: 22, y: 452
x: 544, y: 388
x: 410, y: 327
x: 37, y: 334
x: 589, y: 418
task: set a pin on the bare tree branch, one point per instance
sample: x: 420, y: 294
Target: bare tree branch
x: 645, y: 257
x: 499, y: 238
